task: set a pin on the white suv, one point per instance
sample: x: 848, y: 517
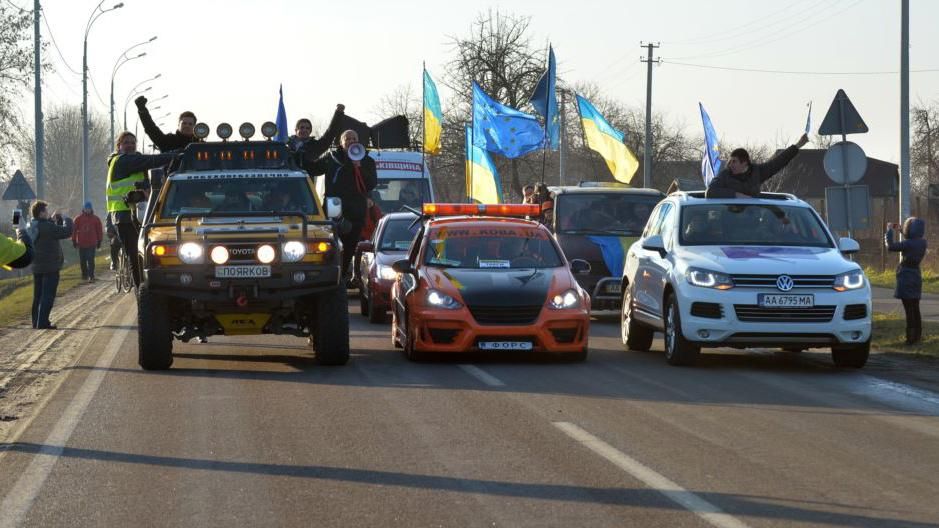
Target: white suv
x: 744, y: 272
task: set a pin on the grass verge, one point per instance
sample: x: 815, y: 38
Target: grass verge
x: 18, y: 301
x: 888, y: 279
x: 890, y: 333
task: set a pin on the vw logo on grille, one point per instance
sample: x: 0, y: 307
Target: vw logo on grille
x: 784, y: 283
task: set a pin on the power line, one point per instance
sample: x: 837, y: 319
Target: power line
x: 14, y: 6
x: 745, y: 28
x: 55, y: 44
x: 789, y: 72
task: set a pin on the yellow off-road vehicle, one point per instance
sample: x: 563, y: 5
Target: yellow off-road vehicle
x: 236, y: 241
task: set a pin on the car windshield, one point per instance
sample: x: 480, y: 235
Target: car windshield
x: 239, y: 195
x: 398, y: 234
x: 491, y: 248
x: 751, y: 225
x: 391, y: 195
x: 602, y: 213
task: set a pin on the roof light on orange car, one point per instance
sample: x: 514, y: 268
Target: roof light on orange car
x: 450, y: 209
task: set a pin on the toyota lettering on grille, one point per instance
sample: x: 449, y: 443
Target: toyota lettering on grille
x: 242, y: 251
x: 784, y: 283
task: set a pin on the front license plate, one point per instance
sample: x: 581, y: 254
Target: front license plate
x: 242, y: 272
x: 768, y: 300
x: 505, y: 345
x: 614, y: 287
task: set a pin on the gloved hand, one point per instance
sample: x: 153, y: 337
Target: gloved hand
x: 141, y: 102
x: 341, y: 108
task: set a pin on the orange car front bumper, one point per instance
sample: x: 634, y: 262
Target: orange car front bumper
x: 555, y: 331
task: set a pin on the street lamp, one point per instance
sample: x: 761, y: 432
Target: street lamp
x: 133, y: 93
x: 91, y: 20
x: 122, y: 60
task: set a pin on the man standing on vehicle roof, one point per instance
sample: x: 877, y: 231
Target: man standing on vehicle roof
x: 309, y: 146
x: 183, y: 136
x: 125, y: 168
x: 350, y: 181
x: 740, y: 179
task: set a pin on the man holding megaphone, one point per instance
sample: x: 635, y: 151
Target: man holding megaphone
x: 350, y: 176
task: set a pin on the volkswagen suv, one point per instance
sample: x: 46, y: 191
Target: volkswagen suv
x: 744, y: 273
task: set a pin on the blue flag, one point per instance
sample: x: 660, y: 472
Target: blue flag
x: 545, y: 101
x: 711, y: 163
x: 502, y: 129
x: 281, y: 122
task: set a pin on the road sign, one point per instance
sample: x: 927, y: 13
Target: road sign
x: 19, y: 188
x: 845, y: 162
x: 854, y: 199
x: 842, y: 118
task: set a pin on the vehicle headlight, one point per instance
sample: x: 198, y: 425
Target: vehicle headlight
x: 568, y: 299
x: 442, y: 300
x: 191, y: 253
x: 851, y: 280
x: 219, y: 255
x: 294, y: 251
x: 709, y: 279
x: 266, y: 254
x: 386, y: 273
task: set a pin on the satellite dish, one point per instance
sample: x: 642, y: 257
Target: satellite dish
x: 356, y: 152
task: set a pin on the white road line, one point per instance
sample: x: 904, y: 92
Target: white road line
x: 688, y: 500
x: 19, y: 500
x: 482, y: 375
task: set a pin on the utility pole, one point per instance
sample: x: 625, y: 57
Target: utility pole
x: 904, y: 110
x: 647, y: 142
x: 37, y: 83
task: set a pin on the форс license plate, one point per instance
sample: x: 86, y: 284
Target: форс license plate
x: 768, y: 300
x: 242, y: 272
x: 505, y: 345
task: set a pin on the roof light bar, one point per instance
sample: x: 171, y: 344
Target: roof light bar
x: 452, y: 209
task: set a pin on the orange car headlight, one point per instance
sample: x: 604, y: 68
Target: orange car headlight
x: 568, y: 299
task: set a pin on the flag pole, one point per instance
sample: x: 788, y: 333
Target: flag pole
x: 423, y: 118
x: 583, y: 133
x: 544, y: 144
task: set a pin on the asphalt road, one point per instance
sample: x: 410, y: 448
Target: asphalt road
x: 250, y: 432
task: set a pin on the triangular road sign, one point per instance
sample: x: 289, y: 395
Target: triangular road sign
x: 19, y: 188
x: 853, y: 124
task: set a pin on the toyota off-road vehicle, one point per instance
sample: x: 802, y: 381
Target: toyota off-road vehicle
x: 236, y: 241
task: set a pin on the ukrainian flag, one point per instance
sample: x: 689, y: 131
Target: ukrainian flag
x: 433, y: 117
x: 482, y: 179
x: 607, y: 141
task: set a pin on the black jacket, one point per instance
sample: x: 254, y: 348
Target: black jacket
x: 912, y: 250
x: 128, y: 164
x: 164, y: 142
x: 339, y: 172
x: 727, y: 184
x: 47, y: 248
x: 313, y: 148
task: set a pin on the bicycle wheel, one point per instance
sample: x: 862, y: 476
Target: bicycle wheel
x: 127, y: 272
x: 119, y: 272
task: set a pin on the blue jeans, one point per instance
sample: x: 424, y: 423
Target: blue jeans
x: 86, y: 258
x: 44, y: 286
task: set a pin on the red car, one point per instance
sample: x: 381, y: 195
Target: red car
x: 389, y: 243
x: 485, y: 278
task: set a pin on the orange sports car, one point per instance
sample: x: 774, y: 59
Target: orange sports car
x: 483, y: 278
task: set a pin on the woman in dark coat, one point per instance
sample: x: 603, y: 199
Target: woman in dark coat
x: 909, y: 279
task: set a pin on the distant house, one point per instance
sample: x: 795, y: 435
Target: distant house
x: 805, y: 177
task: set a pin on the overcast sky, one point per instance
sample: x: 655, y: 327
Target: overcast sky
x: 224, y: 59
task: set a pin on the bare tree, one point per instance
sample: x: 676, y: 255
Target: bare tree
x: 924, y: 147
x: 63, y: 155
x: 406, y: 101
x: 16, y: 69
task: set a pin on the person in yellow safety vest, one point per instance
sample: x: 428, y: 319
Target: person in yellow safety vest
x: 16, y: 253
x: 125, y: 168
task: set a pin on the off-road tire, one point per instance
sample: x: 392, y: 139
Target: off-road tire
x: 678, y: 350
x: 154, y: 335
x: 331, y: 327
x: 851, y: 356
x: 635, y: 335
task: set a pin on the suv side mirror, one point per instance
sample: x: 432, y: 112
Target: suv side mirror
x: 365, y: 246
x: 848, y: 245
x: 403, y: 266
x: 654, y: 243
x: 333, y: 207
x: 580, y: 266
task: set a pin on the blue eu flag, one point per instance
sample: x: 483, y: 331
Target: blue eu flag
x: 281, y: 122
x: 502, y: 129
x: 545, y: 101
x: 711, y: 163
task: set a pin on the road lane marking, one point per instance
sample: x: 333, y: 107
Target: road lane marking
x: 688, y: 500
x: 482, y: 375
x: 19, y: 500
